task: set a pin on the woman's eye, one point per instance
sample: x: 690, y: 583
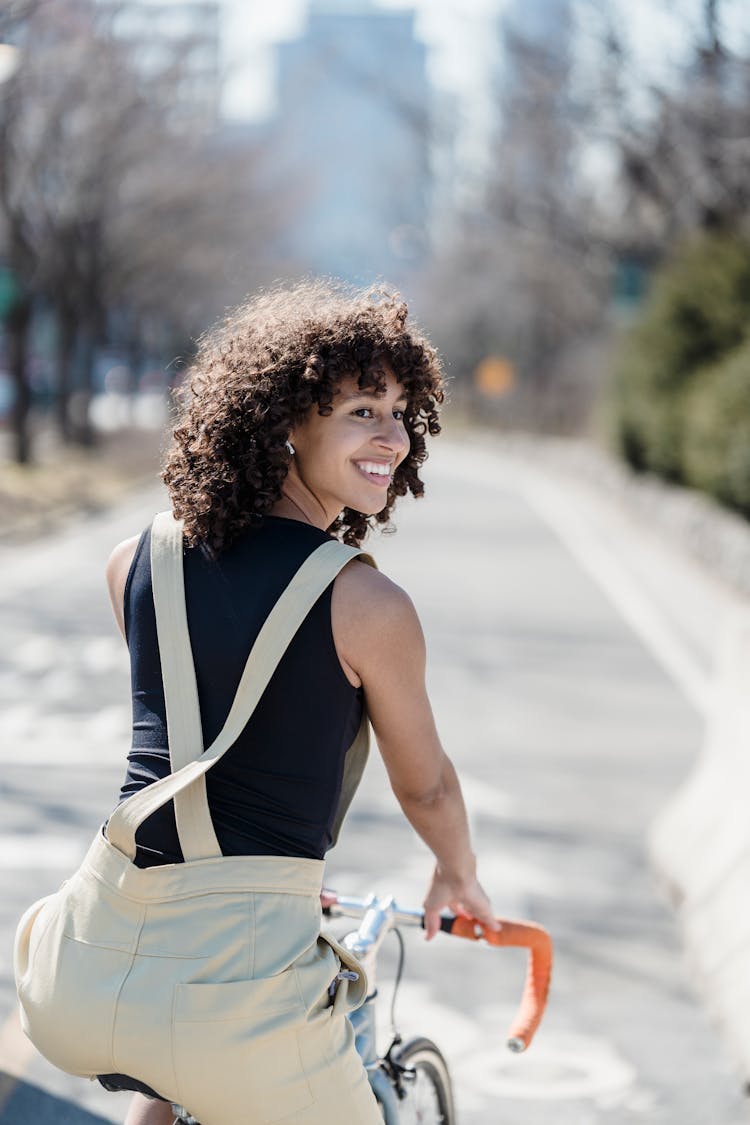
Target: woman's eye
x: 398, y: 414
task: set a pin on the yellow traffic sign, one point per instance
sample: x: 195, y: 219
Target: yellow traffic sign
x: 494, y: 376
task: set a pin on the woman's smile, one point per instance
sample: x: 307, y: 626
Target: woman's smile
x: 377, y: 472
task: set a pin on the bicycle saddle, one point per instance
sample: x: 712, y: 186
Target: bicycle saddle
x: 116, y: 1082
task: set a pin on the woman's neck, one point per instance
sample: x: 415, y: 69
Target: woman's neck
x: 298, y: 503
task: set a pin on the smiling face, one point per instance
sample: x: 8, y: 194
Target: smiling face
x: 346, y: 459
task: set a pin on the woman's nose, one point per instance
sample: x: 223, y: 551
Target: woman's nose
x: 393, y: 434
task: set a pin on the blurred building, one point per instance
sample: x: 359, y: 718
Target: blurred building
x: 537, y: 45
x: 352, y: 134
x: 548, y: 23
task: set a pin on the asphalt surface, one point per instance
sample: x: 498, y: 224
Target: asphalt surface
x: 570, y: 730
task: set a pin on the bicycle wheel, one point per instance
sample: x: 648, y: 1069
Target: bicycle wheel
x: 429, y: 1099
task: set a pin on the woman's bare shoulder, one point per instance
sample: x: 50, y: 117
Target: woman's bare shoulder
x: 116, y: 571
x: 121, y: 558
x: 367, y: 592
x: 373, y: 621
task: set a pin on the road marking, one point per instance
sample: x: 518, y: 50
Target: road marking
x: 560, y: 1066
x: 640, y: 612
x: 592, y: 554
x: 38, y: 654
x: 39, y: 852
x: 64, y: 756
x: 98, y: 740
x: 563, y: 1067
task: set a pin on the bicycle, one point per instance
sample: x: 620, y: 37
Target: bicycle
x: 411, y: 1081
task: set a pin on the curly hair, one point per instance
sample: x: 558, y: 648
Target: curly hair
x: 257, y: 374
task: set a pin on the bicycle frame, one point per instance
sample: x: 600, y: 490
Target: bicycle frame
x: 363, y: 1022
x: 378, y: 917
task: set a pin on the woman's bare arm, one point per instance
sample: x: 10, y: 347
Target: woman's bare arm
x: 116, y: 570
x: 378, y: 634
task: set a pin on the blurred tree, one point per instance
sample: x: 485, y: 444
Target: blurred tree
x: 114, y: 206
x: 529, y: 256
x: 676, y: 405
x: 696, y: 316
x: 717, y: 431
x: 16, y: 231
x: 681, y: 138
x: 540, y: 204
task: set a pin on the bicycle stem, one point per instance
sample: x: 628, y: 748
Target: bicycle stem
x: 378, y: 918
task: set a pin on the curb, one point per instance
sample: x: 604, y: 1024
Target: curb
x: 695, y: 523
x: 700, y: 849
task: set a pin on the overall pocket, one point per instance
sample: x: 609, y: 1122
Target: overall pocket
x: 236, y: 1051
x: 29, y: 932
x: 349, y: 994
x: 318, y: 970
x: 68, y: 986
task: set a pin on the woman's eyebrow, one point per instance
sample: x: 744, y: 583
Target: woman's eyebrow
x: 370, y: 394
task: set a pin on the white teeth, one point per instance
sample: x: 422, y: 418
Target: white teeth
x: 372, y: 467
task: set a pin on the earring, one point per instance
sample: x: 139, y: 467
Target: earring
x: 290, y: 447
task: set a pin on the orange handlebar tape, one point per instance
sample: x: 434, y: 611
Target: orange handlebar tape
x: 530, y: 936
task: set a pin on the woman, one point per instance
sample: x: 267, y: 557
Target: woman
x: 305, y: 418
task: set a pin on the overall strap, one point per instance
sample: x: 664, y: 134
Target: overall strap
x: 185, y: 735
x: 312, y: 578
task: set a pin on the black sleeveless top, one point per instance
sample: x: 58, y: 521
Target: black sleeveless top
x: 276, y: 790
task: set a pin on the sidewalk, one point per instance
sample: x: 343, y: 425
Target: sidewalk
x: 65, y: 482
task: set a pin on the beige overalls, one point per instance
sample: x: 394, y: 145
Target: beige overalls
x: 207, y: 980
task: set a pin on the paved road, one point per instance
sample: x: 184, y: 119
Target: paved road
x: 569, y: 735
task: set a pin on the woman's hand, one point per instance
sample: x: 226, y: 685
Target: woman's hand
x: 461, y: 894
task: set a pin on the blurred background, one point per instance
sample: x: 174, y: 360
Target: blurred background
x: 559, y: 187
x: 561, y: 191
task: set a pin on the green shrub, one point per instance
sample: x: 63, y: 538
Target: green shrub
x: 697, y: 311
x: 716, y: 437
